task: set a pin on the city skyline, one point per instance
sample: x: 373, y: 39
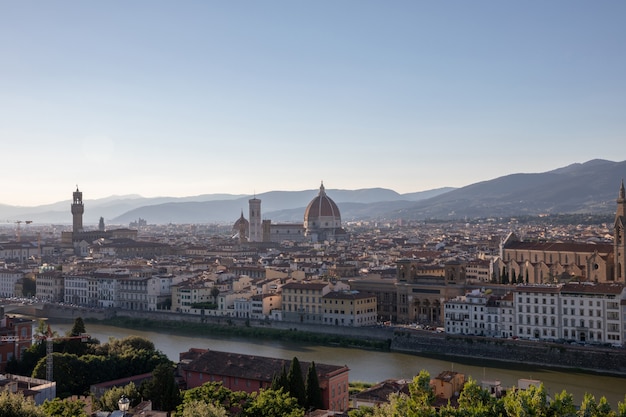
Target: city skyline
x: 178, y: 100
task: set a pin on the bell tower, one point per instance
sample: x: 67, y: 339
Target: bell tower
x: 77, y: 211
x: 256, y: 234
x: 619, y: 241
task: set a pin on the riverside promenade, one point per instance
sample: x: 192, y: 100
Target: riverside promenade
x: 399, y: 339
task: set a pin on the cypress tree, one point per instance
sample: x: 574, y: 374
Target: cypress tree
x: 280, y: 381
x: 313, y: 391
x: 296, y: 382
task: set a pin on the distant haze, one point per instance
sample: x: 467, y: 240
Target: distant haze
x: 588, y: 188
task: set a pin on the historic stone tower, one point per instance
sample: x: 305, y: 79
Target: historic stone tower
x: 619, y: 240
x: 256, y: 232
x: 77, y: 212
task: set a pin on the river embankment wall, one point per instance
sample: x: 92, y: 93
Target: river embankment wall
x: 555, y: 355
x: 606, y: 360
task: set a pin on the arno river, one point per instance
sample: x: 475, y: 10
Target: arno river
x: 371, y: 366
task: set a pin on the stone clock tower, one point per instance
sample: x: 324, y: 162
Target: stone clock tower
x: 77, y: 212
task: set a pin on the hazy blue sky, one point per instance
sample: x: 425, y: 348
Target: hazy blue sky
x: 179, y: 98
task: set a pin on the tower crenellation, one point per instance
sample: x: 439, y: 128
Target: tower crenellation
x: 78, y: 209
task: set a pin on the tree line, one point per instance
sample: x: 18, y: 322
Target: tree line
x: 292, y: 393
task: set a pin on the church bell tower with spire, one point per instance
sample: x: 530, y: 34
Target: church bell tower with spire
x: 619, y: 240
x: 77, y: 211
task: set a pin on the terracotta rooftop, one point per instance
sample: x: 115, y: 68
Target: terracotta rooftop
x: 245, y: 366
x: 588, y: 288
x: 348, y: 295
x: 560, y: 247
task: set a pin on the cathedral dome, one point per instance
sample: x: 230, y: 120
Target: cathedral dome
x: 322, y: 216
x: 241, y: 228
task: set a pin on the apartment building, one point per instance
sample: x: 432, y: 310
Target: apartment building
x: 8, y: 279
x: 475, y: 314
x: 537, y: 309
x: 18, y: 251
x: 385, y: 291
x: 159, y: 291
x: 590, y: 313
x: 581, y: 312
x: 79, y: 290
x: 302, y: 301
x: 479, y: 270
x: 50, y: 285
x: 133, y: 293
x: 349, y: 308
x: 187, y: 293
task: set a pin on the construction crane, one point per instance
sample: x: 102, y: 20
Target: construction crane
x: 19, y: 223
x: 49, y: 338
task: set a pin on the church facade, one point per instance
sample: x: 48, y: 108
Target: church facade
x: 551, y: 262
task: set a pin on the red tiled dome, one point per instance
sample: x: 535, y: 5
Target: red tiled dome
x: 321, y: 206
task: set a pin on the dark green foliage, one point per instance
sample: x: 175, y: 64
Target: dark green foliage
x: 29, y: 288
x: 68, y: 373
x: 74, y: 373
x: 109, y: 401
x: 64, y: 408
x: 15, y: 405
x: 29, y: 360
x: 214, y: 293
x: 213, y: 393
x: 75, y: 346
x: 78, y: 328
x: 313, y: 391
x: 162, y: 389
x: 269, y: 403
x: 296, y: 382
x: 280, y: 381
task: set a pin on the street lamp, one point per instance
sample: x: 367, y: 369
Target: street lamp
x: 123, y: 404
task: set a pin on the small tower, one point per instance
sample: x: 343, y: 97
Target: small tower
x: 77, y: 211
x: 256, y: 232
x: 619, y: 241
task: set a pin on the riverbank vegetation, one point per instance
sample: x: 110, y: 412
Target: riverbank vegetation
x: 77, y: 365
x: 229, y: 328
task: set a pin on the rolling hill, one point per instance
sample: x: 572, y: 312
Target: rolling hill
x: 589, y: 187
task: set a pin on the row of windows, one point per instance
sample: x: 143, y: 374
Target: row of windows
x: 536, y: 300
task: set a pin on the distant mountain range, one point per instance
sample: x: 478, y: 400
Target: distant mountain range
x: 590, y: 187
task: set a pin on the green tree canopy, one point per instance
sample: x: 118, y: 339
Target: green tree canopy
x: 162, y: 389
x: 64, y: 408
x: 270, y: 403
x: 198, y: 408
x: 213, y: 393
x: 15, y: 405
x: 109, y: 400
